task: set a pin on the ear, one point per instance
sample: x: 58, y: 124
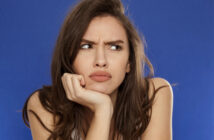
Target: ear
x: 128, y: 68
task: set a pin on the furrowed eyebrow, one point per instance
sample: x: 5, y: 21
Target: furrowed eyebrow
x: 88, y: 41
x: 115, y: 42
x: 108, y: 42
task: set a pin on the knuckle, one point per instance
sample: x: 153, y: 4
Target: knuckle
x: 72, y: 98
x: 80, y: 76
x: 64, y: 74
x: 78, y: 95
x: 69, y: 96
x: 73, y: 75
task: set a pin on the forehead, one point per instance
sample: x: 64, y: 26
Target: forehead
x: 107, y: 28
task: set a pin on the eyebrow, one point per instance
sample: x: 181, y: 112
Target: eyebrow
x: 108, y: 42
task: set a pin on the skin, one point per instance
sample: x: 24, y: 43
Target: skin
x: 100, y: 97
x: 104, y: 47
x: 101, y: 55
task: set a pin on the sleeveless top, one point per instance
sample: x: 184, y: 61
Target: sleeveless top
x: 73, y: 134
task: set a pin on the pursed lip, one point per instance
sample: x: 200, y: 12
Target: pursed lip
x: 100, y: 73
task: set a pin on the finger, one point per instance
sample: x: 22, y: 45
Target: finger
x: 76, y: 84
x: 64, y: 83
x: 82, y: 80
x: 78, y: 90
x: 69, y: 86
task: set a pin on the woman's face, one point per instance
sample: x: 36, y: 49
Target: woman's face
x: 104, y: 47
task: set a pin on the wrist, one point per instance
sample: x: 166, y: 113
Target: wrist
x: 105, y: 111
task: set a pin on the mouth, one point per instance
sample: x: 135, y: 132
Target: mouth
x: 100, y: 78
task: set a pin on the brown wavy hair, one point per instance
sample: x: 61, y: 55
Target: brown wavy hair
x: 131, y: 113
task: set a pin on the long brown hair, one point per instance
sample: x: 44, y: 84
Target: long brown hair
x: 131, y: 114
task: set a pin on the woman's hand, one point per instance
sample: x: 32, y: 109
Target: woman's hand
x: 73, y: 85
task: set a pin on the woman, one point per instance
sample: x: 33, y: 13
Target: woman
x: 99, y: 91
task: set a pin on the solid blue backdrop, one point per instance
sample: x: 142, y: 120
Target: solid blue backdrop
x: 180, y: 39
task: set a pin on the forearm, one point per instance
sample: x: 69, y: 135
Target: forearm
x: 100, y: 126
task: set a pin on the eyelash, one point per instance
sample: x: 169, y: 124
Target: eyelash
x: 90, y: 46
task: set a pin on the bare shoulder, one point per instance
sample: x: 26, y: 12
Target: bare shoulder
x: 162, y: 85
x: 160, y: 125
x: 33, y: 101
x: 35, y: 105
x: 40, y: 120
x: 158, y: 81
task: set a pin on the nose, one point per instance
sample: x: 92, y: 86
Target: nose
x: 100, y: 58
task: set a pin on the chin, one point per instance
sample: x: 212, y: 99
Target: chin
x: 99, y: 89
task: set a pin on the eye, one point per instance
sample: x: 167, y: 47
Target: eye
x: 116, y: 47
x: 85, y: 46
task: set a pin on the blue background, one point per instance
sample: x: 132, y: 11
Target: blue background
x: 180, y: 38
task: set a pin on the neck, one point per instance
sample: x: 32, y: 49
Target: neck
x: 90, y: 114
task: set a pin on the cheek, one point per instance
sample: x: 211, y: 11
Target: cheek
x: 81, y: 65
x: 120, y: 63
x: 120, y: 70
